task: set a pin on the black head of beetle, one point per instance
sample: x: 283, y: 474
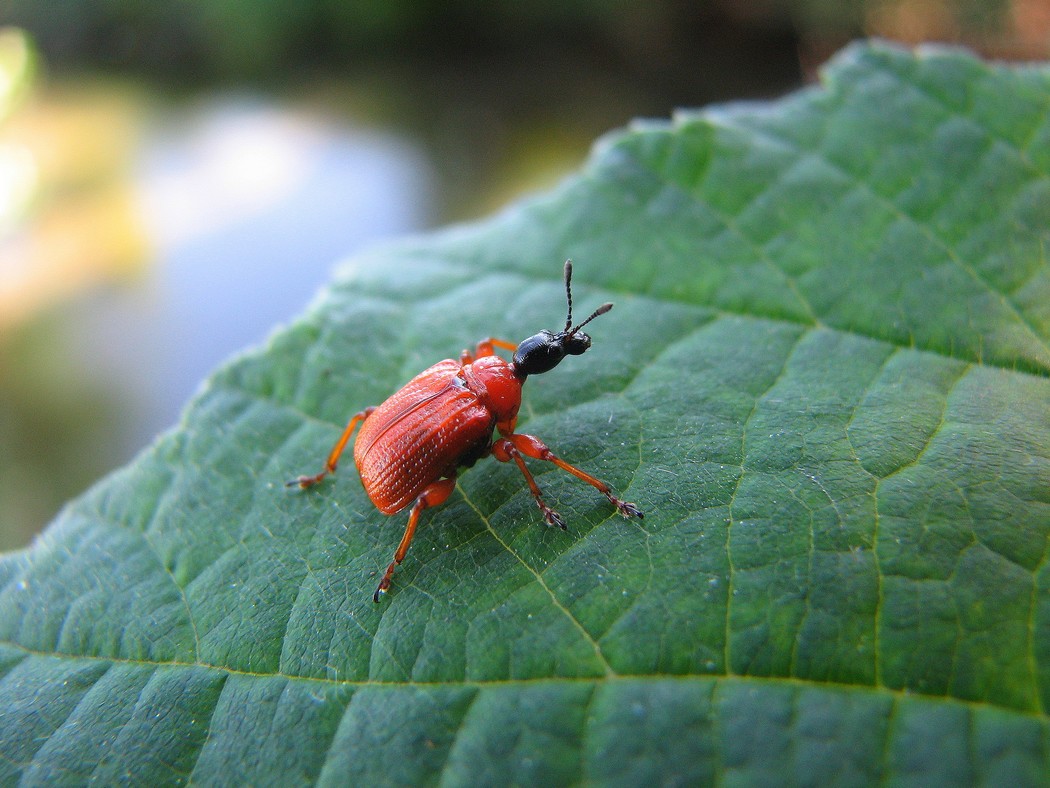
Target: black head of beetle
x: 542, y: 352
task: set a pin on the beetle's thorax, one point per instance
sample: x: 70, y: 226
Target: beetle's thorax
x: 494, y: 383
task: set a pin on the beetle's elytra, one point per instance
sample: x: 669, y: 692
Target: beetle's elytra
x: 409, y: 448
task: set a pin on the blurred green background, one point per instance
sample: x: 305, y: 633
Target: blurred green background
x: 178, y: 178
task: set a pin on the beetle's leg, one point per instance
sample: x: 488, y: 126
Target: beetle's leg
x: 433, y: 495
x: 504, y: 451
x: 487, y: 347
x: 531, y: 446
x: 333, y: 456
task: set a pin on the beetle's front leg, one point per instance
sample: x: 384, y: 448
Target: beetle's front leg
x: 504, y: 451
x: 436, y: 493
x: 333, y: 456
x: 531, y: 446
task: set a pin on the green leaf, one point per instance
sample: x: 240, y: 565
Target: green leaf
x: 826, y: 381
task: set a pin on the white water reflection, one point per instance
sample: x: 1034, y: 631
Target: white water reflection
x: 248, y: 207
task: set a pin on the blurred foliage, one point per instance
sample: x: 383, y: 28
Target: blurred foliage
x: 471, y: 79
x: 16, y: 170
x: 65, y: 222
x: 78, y: 224
x: 56, y: 426
x: 239, y: 39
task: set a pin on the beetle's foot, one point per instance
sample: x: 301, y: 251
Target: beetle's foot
x: 384, y: 584
x: 552, y: 517
x: 305, y: 482
x: 628, y: 509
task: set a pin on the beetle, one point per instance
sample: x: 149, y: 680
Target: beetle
x: 409, y: 449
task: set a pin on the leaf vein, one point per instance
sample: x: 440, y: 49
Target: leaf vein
x: 43, y: 742
x: 211, y: 728
x: 727, y: 644
x: 970, y: 270
x: 182, y: 594
x: 619, y: 677
x: 543, y: 584
x: 459, y: 731
x: 953, y: 112
x: 936, y: 430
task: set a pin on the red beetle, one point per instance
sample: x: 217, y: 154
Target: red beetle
x: 410, y: 447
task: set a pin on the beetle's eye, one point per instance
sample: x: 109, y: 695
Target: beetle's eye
x: 577, y: 344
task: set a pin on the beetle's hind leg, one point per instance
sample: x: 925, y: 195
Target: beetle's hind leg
x: 437, y: 493
x: 333, y: 456
x: 504, y: 451
x: 531, y: 446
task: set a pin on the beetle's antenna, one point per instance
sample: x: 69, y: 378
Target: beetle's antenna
x: 568, y: 292
x: 599, y: 311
